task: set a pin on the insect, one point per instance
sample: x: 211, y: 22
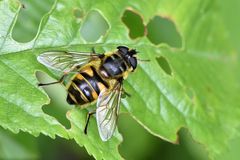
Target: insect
x: 97, y: 78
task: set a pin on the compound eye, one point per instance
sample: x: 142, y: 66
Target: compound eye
x: 133, y: 52
x: 123, y: 50
x: 133, y: 62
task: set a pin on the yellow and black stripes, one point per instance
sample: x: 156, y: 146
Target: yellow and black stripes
x: 85, y: 86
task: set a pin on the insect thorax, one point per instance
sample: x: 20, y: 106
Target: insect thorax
x: 114, y: 67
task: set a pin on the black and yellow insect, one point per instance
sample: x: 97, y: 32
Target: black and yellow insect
x: 97, y: 78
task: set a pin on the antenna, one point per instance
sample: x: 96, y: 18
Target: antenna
x: 143, y: 60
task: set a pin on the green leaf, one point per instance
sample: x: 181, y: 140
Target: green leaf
x: 23, y: 145
x: 200, y: 94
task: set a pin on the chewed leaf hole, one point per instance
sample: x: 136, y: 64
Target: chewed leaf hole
x: 134, y: 23
x: 58, y: 106
x: 163, y: 63
x: 29, y: 18
x: 163, y: 30
x: 94, y: 26
x: 77, y: 13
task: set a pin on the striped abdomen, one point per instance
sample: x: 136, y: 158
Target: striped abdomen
x: 85, y: 86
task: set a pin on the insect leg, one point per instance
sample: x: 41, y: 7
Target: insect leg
x: 59, y: 81
x: 88, y: 118
x: 93, y: 50
x: 95, y: 54
x: 126, y: 93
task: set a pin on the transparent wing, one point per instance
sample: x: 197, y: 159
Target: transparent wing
x: 65, y: 61
x: 107, y: 111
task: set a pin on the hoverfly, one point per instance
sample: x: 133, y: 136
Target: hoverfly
x: 97, y: 78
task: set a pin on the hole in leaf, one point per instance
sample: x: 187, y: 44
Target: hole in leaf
x: 29, y: 19
x: 163, y: 30
x: 58, y: 106
x: 78, y: 13
x: 134, y: 22
x: 94, y: 26
x: 162, y: 61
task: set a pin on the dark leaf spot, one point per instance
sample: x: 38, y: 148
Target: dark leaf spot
x: 77, y: 13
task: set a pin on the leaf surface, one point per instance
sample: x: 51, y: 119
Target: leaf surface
x: 201, y: 94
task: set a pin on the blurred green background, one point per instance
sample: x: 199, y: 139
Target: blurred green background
x: 137, y: 144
